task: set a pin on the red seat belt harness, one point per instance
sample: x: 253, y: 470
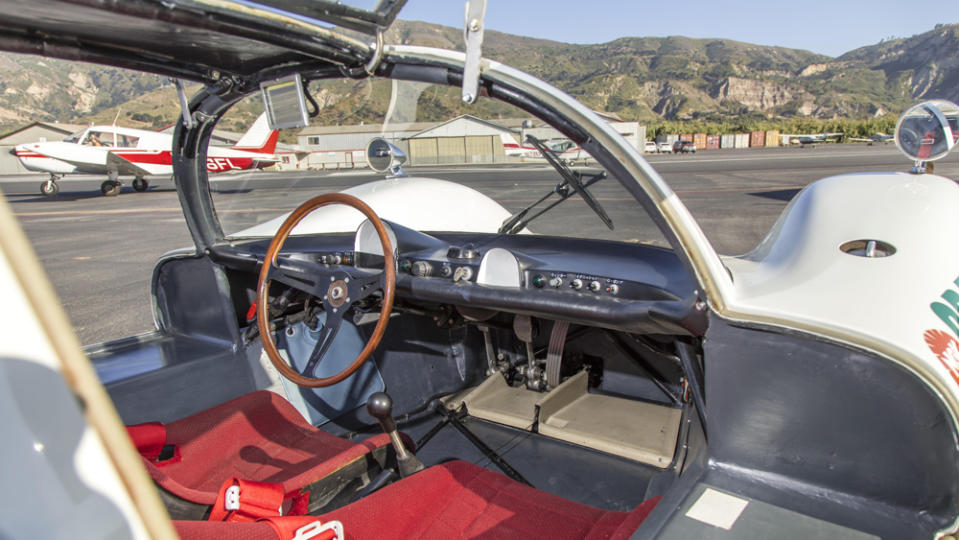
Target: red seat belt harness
x: 245, y: 500
x: 305, y: 528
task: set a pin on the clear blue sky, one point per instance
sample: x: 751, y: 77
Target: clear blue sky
x: 826, y: 27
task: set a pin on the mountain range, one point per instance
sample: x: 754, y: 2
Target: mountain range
x: 650, y: 79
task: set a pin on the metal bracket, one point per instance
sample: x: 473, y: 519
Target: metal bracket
x: 184, y: 104
x: 374, y: 62
x: 473, y: 35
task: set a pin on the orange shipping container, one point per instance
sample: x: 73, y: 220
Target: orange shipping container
x: 699, y: 140
x: 686, y: 137
x: 757, y: 138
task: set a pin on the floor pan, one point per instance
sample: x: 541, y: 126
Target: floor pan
x: 570, y: 471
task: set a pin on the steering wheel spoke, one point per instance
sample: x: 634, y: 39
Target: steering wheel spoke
x: 363, y: 283
x: 309, y: 277
x: 325, y: 338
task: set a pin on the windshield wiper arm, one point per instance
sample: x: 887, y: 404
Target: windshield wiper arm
x: 571, y: 178
x: 519, y: 220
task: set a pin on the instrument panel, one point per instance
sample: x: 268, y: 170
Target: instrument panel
x: 629, y: 287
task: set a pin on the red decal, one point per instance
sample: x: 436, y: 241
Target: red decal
x: 946, y: 348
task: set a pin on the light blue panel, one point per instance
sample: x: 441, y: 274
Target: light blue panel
x: 320, y: 405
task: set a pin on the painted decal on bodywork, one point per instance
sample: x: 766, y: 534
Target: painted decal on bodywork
x: 944, y: 346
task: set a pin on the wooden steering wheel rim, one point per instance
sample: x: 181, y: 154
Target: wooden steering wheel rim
x: 262, y: 289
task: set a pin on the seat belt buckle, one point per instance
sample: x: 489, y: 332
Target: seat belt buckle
x: 231, y: 499
x: 315, y: 529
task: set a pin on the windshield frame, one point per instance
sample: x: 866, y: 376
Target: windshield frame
x: 498, y: 81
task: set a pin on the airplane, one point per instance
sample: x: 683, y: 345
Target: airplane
x: 564, y: 149
x: 114, y: 150
x: 874, y: 138
x: 812, y: 140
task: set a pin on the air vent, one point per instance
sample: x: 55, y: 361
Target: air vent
x: 868, y: 248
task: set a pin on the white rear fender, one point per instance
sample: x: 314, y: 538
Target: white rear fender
x: 813, y: 266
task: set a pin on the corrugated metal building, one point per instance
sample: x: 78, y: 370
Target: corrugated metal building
x: 338, y: 147
x: 464, y: 139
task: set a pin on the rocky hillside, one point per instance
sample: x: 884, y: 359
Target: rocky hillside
x: 34, y: 88
x: 646, y: 79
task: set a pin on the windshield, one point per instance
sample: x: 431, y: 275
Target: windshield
x: 487, y: 167
x: 75, y: 137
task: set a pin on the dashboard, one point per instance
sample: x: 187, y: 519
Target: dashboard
x: 629, y: 287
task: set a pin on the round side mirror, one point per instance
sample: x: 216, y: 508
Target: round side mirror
x: 384, y: 156
x: 928, y: 131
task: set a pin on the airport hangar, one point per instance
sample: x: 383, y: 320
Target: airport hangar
x: 461, y: 140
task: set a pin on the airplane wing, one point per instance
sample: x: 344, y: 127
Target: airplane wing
x: 140, y: 162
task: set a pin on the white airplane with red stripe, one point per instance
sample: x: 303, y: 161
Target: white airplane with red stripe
x: 115, y: 151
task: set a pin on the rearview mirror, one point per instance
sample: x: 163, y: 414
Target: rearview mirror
x: 285, y: 102
x: 384, y: 156
x: 927, y: 131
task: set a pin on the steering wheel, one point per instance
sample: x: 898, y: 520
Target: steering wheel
x: 338, y: 287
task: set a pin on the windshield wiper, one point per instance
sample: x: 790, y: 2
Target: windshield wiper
x: 519, y: 220
x: 571, y: 179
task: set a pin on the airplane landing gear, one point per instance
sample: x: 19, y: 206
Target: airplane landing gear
x: 110, y: 188
x: 140, y: 184
x: 50, y: 188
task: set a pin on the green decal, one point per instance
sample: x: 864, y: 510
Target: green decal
x: 949, y: 312
x: 948, y: 315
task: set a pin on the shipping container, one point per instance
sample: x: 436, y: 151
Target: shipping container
x: 671, y: 139
x: 742, y: 140
x: 727, y: 141
x: 713, y: 142
x: 686, y: 137
x: 699, y: 140
x: 772, y: 138
x: 757, y: 139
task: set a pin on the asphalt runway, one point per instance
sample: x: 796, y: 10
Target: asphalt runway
x: 99, y: 252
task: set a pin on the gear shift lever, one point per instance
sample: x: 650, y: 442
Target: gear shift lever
x: 380, y: 406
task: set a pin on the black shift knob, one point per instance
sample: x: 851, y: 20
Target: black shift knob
x: 380, y: 406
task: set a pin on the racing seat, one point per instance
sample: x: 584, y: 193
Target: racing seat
x: 455, y: 500
x: 257, y: 437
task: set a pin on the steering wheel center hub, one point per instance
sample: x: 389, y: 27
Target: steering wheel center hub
x: 336, y: 294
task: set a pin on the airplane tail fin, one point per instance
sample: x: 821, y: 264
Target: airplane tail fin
x: 259, y: 138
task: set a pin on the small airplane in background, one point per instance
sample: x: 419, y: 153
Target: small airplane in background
x: 114, y: 150
x: 564, y: 149
x: 874, y: 138
x: 812, y: 140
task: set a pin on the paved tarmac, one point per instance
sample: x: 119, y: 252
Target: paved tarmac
x: 99, y: 251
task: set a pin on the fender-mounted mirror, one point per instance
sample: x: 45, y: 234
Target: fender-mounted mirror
x: 927, y: 131
x: 384, y: 156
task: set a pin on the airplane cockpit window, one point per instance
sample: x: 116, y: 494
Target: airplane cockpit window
x: 74, y: 138
x: 127, y: 140
x: 98, y: 138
